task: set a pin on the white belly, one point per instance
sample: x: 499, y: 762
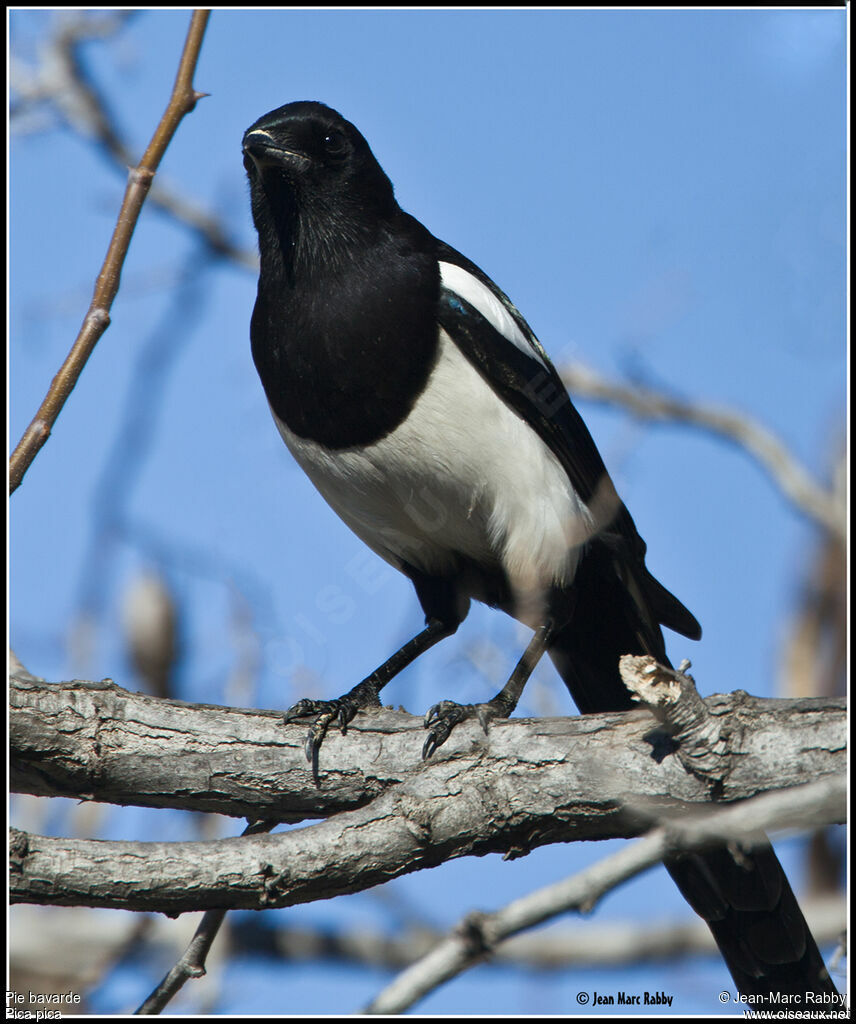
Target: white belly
x: 463, y: 474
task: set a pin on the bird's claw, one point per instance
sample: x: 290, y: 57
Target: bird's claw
x: 303, y: 708
x: 441, y: 719
x: 341, y: 711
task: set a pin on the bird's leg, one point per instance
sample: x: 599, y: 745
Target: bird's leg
x: 443, y: 717
x: 364, y: 694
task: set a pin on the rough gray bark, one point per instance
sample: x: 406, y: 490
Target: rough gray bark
x: 96, y: 741
x: 525, y: 784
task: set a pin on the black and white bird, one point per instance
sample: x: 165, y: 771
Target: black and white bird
x: 420, y: 404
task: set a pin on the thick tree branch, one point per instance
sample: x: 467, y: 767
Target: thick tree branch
x: 591, y: 777
x: 476, y: 936
x: 97, y: 319
x: 96, y: 741
x: 414, y: 825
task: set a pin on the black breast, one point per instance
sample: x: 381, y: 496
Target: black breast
x: 344, y: 352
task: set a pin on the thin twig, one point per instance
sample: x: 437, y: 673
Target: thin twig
x: 97, y: 319
x: 476, y: 935
x: 191, y: 964
x: 795, y: 482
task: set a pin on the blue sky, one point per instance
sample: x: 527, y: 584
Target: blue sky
x: 662, y: 194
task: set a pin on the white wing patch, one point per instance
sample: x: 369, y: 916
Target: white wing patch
x: 461, y: 281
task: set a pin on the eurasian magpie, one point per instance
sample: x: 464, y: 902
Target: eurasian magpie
x: 417, y: 399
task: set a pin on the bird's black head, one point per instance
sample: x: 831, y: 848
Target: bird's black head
x: 312, y: 176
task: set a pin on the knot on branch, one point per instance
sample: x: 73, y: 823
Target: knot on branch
x: 141, y: 177
x: 19, y: 847
x: 97, y: 319
x: 671, y: 695
x: 471, y: 932
x: 273, y: 883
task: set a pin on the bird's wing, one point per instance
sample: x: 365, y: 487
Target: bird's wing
x: 490, y: 331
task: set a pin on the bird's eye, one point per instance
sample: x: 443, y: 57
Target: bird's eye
x: 335, y: 144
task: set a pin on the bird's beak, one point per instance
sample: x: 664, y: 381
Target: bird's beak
x: 261, y: 148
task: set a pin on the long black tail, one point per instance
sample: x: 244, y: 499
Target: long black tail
x: 744, y: 896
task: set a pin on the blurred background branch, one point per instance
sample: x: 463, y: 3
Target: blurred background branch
x: 825, y: 506
x: 59, y: 89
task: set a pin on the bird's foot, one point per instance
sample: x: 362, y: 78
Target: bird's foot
x: 341, y: 711
x: 442, y: 718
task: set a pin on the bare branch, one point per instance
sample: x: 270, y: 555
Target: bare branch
x: 477, y: 934
x: 438, y: 816
x: 479, y: 796
x: 97, y: 741
x: 97, y: 319
x: 796, y: 483
x: 59, y: 80
x: 191, y: 964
